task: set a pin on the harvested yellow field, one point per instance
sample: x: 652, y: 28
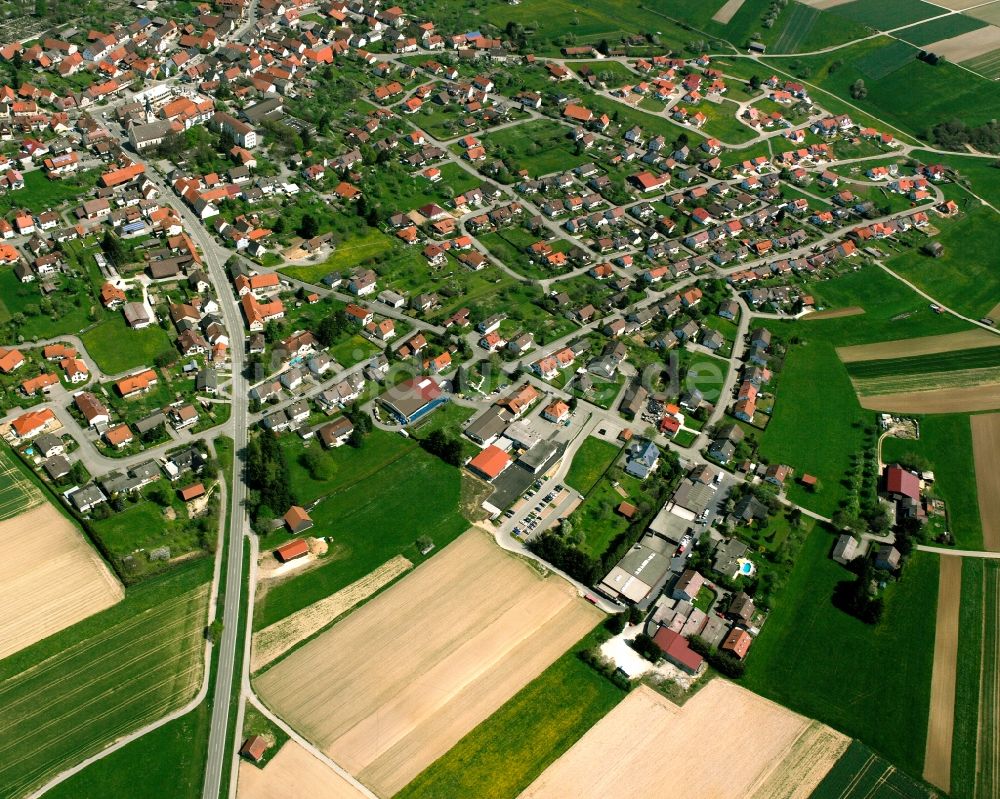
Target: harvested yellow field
x: 635, y: 751
x: 728, y: 11
x: 986, y: 454
x: 396, y: 684
x: 293, y: 772
x: 958, y: 5
x: 967, y: 45
x: 53, y: 578
x: 941, y: 720
x: 925, y: 345
x: 281, y: 636
x: 834, y: 313
x: 986, y: 11
x: 944, y: 400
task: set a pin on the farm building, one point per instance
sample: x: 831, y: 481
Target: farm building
x: 297, y: 520
x: 292, y: 550
x: 192, y: 492
x: 901, y: 484
x: 253, y: 748
x: 675, y: 649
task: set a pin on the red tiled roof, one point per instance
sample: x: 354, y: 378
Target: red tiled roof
x: 491, y: 461
x: 291, y: 550
x: 675, y: 647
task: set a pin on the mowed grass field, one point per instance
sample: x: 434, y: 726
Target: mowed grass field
x: 540, y: 146
x: 814, y: 394
x: 970, y: 286
x: 872, y: 683
x: 862, y: 774
x: 892, y: 311
x: 379, y: 501
x: 590, y: 461
x: 73, y: 693
x: 115, y: 348
x: 504, y: 754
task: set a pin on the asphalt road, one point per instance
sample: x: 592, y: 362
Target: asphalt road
x: 220, y: 747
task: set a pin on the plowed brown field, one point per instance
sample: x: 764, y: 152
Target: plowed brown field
x: 397, y: 683
x: 648, y: 748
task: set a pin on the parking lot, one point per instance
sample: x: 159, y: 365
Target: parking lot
x: 536, y: 512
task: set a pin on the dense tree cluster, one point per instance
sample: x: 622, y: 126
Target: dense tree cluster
x: 267, y: 477
x: 955, y: 135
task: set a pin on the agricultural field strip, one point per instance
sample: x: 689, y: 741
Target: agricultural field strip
x: 986, y: 458
x: 30, y: 778
x: 111, y: 632
x: 800, y: 22
x: 922, y: 345
x: 276, y: 639
x: 987, y: 64
x: 152, y: 712
x: 774, y: 741
x: 17, y: 493
x: 941, y: 719
x: 967, y: 378
x: 988, y: 744
x: 953, y: 399
x: 977, y: 358
x: 41, y: 709
x: 851, y: 789
x: 162, y: 671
